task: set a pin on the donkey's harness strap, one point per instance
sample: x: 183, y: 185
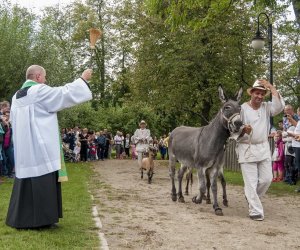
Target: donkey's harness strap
x: 229, y: 120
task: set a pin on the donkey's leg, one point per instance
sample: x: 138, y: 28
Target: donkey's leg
x: 172, y: 163
x: 202, y: 185
x: 207, y: 175
x: 189, y: 178
x: 142, y: 173
x: 214, y: 189
x: 181, y: 172
x: 223, y: 183
x: 150, y: 174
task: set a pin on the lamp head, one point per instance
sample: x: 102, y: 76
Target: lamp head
x: 258, y: 42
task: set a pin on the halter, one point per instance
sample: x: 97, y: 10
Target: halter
x: 229, y: 120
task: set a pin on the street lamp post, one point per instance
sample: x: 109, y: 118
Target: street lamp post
x: 258, y: 42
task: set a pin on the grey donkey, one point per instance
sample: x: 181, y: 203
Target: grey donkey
x: 203, y: 148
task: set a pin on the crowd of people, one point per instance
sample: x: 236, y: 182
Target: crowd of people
x: 82, y: 144
x: 7, y: 162
x: 286, y: 154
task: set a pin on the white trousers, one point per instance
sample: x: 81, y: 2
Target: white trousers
x: 257, y: 179
x: 140, y: 158
x: 140, y: 149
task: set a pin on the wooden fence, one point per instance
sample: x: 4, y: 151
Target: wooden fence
x: 231, y: 162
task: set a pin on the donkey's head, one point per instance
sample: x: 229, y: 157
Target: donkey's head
x: 230, y: 111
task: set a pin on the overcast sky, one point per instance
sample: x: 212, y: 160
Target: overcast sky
x: 36, y: 5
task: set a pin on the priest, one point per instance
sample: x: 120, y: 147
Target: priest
x: 36, y: 196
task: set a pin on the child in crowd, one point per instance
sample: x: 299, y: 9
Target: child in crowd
x: 77, y: 152
x: 93, y: 151
x: 278, y: 157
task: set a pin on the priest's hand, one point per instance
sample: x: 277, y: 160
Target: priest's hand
x: 87, y: 74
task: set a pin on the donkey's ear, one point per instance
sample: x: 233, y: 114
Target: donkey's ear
x: 239, y: 94
x: 222, y: 95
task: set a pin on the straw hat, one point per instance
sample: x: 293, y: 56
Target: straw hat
x: 257, y: 85
x: 142, y: 122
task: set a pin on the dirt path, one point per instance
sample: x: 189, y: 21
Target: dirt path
x: 136, y: 215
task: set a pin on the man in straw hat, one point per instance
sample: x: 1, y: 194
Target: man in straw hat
x: 141, y: 139
x: 36, y: 196
x: 253, y: 148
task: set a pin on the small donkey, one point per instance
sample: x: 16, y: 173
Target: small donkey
x: 148, y: 163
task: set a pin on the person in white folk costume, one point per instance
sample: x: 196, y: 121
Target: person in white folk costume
x: 253, y: 149
x: 141, y: 138
x: 36, y: 196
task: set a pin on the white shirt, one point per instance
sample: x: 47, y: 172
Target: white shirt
x: 255, y: 147
x: 141, y: 138
x: 118, y: 139
x: 288, y: 140
x: 35, y: 126
x: 295, y: 143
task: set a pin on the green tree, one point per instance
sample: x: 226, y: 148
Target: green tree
x: 16, y: 36
x: 179, y: 68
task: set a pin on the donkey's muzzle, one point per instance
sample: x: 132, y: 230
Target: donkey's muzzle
x: 235, y: 124
x: 238, y: 124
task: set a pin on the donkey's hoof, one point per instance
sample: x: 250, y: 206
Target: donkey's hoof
x: 141, y: 177
x: 186, y: 193
x: 218, y: 211
x: 196, y: 201
x: 174, y: 197
x: 181, y: 199
x: 225, y: 203
x: 208, y: 201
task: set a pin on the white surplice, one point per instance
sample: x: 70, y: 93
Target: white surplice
x: 35, y: 126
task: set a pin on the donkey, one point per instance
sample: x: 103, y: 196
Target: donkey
x: 203, y: 148
x: 148, y: 163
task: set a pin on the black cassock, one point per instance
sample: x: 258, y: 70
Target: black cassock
x: 35, y: 202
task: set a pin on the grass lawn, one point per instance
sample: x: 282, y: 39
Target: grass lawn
x: 76, y: 230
